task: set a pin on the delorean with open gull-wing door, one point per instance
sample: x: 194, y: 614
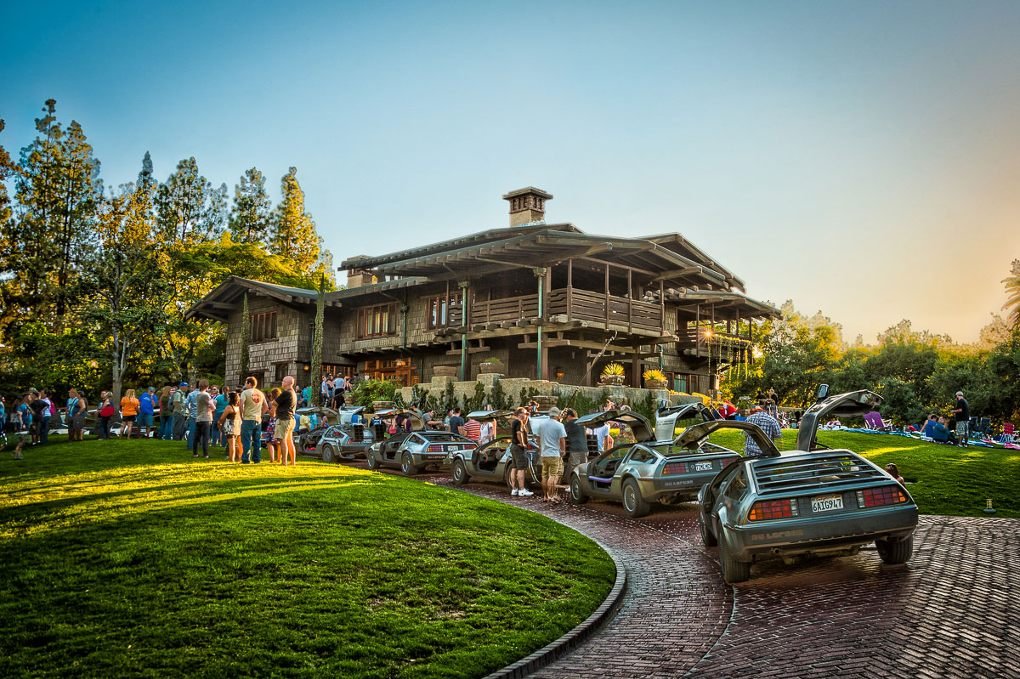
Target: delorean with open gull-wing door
x: 810, y: 501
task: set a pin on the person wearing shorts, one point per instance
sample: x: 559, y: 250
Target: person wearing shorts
x: 552, y: 437
x: 128, y: 411
x: 286, y: 403
x: 519, y: 454
x: 962, y: 413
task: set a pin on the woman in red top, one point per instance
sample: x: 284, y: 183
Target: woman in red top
x: 128, y: 412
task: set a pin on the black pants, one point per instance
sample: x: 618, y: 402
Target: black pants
x: 104, y: 427
x: 201, y: 436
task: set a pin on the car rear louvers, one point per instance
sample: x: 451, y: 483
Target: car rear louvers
x: 783, y: 475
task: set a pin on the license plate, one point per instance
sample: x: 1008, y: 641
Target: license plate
x: 702, y: 466
x: 435, y: 457
x: 826, y: 503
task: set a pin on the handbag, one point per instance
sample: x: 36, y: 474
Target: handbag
x: 106, y: 411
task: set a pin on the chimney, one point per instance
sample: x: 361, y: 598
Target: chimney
x: 527, y: 205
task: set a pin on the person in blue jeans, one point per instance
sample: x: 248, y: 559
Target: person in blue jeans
x: 253, y: 405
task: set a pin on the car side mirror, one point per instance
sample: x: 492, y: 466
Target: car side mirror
x: 823, y: 391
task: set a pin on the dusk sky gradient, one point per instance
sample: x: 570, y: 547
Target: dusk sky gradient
x: 861, y: 158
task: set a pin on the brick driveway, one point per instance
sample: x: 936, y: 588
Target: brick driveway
x: 952, y: 611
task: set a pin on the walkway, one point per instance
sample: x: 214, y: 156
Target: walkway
x: 953, y: 611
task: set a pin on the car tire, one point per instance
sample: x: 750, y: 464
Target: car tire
x: 577, y: 495
x: 407, y: 465
x: 732, y: 570
x: 633, y: 503
x: 459, y: 472
x: 895, y: 552
x: 373, y: 463
x: 706, y: 533
x: 328, y: 455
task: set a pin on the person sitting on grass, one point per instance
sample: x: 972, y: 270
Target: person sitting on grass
x: 894, y: 472
x: 940, y: 432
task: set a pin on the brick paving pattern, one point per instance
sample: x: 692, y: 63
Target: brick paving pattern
x: 952, y: 611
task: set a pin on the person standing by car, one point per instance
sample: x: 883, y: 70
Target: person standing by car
x: 553, y: 439
x: 519, y: 454
x: 767, y: 424
x: 456, y: 422
x: 253, y: 404
x: 962, y: 413
x: 285, y: 406
x: 577, y: 441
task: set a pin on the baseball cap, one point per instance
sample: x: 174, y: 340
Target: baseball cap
x: 183, y: 384
x: 554, y: 412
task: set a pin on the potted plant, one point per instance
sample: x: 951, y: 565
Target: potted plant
x: 654, y: 379
x: 490, y: 365
x: 613, y: 373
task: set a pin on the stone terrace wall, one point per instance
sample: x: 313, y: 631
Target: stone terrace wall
x: 512, y: 387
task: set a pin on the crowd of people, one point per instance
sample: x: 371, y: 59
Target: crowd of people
x: 242, y: 421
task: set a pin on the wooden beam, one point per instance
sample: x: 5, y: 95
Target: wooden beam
x: 678, y: 273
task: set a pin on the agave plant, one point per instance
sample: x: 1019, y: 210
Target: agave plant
x: 613, y: 369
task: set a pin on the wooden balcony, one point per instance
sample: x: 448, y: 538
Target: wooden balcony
x: 569, y: 304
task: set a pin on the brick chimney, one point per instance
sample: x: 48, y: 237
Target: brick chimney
x: 527, y: 205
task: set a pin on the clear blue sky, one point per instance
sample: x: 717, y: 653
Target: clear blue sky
x: 859, y: 158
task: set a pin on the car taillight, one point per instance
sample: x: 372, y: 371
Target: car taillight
x: 877, y: 497
x: 773, y: 509
x: 675, y: 468
x: 435, y: 448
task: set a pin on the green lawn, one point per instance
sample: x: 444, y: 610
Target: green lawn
x: 130, y: 558
x: 942, y: 479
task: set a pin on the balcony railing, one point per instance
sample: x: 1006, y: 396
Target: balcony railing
x: 575, y: 305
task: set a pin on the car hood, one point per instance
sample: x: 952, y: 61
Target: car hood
x: 488, y: 414
x: 638, y: 424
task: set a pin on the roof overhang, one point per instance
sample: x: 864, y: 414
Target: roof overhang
x: 227, y: 296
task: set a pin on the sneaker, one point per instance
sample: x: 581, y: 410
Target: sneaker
x: 514, y: 493
x: 525, y: 493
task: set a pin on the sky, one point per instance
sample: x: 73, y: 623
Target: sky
x: 859, y: 158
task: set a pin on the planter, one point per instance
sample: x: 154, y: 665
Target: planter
x: 613, y: 380
x: 655, y: 384
x: 445, y: 371
x: 487, y: 367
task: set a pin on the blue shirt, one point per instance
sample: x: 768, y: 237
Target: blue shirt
x: 192, y: 404
x: 221, y: 405
x: 145, y: 404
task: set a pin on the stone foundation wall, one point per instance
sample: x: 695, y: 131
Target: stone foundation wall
x: 512, y: 387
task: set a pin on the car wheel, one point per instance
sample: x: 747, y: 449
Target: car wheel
x: 633, y: 503
x: 460, y: 475
x: 373, y: 463
x: 407, y: 465
x: 732, y: 570
x: 898, y: 551
x: 577, y: 495
x: 706, y: 532
x: 327, y: 453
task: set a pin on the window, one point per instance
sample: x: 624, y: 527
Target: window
x: 281, y: 371
x: 440, y: 311
x: 263, y: 326
x: 377, y: 321
x: 736, y: 487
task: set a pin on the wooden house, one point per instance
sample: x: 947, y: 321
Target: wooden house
x: 548, y: 300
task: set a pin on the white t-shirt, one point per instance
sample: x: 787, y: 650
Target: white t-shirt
x: 601, y: 433
x: 549, y: 436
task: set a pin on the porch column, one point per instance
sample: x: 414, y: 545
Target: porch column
x: 542, y: 353
x: 465, y: 319
x: 635, y: 365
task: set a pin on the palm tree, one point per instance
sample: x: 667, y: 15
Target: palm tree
x: 1012, y: 304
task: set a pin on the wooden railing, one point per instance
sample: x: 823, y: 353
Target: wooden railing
x: 576, y: 305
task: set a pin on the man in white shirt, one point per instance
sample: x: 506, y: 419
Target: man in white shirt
x: 552, y: 438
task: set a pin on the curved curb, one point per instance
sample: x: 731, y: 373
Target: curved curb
x: 575, y: 637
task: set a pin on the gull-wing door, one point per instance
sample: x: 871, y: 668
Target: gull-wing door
x: 638, y: 424
x: 668, y: 420
x: 848, y: 404
x: 697, y: 434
